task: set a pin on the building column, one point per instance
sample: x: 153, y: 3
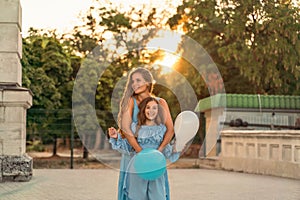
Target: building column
x: 15, y: 164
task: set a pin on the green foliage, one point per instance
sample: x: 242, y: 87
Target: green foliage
x: 35, y: 146
x: 46, y: 66
x: 252, y: 39
x: 47, y: 72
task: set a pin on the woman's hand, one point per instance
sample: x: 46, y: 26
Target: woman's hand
x: 160, y: 149
x: 112, y: 132
x: 169, y: 124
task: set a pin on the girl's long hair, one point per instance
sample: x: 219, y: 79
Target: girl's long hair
x: 128, y: 92
x: 142, y: 116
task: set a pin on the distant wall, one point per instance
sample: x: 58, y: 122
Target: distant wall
x: 270, y: 152
x: 264, y: 117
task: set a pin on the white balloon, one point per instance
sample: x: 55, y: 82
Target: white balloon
x: 186, y: 126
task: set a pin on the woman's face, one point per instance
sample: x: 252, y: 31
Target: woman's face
x: 139, y: 84
x: 151, y: 110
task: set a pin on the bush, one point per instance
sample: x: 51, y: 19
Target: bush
x: 35, y: 146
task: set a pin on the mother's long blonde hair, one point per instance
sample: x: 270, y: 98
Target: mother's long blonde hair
x: 128, y: 92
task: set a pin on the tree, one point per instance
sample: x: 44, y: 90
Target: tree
x: 258, y: 40
x: 47, y: 72
x: 89, y: 40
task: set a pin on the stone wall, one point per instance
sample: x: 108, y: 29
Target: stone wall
x: 15, y: 168
x: 275, y: 152
x: 213, y: 119
x: 15, y: 164
x: 13, y: 105
x: 10, y: 42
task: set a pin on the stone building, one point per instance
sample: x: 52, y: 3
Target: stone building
x: 261, y: 112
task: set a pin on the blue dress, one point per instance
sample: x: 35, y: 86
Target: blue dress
x: 135, y: 188
x: 126, y: 157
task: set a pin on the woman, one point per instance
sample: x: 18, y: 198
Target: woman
x: 149, y: 132
x: 139, y: 86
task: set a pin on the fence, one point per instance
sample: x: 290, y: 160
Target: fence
x: 56, y: 127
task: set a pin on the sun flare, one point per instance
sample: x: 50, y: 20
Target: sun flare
x: 168, y: 42
x: 167, y: 63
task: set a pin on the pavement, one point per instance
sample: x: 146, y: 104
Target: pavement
x: 185, y: 184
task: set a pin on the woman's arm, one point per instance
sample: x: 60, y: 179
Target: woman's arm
x: 169, y: 124
x: 126, y: 123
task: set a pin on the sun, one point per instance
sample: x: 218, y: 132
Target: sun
x: 167, y: 63
x: 167, y: 41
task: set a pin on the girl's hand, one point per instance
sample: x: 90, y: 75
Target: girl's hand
x: 112, y: 132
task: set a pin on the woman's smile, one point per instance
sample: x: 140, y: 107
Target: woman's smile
x: 138, y: 83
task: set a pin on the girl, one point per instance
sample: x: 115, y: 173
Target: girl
x: 138, y: 87
x: 149, y: 132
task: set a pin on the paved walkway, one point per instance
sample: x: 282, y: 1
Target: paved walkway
x: 185, y: 184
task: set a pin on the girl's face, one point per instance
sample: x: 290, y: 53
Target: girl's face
x: 139, y: 84
x: 151, y: 110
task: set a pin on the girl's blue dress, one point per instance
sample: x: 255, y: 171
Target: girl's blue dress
x: 127, y: 154
x: 135, y: 188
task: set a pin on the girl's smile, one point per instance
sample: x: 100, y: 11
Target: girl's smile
x: 151, y: 110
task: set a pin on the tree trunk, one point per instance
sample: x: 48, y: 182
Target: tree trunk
x: 54, y: 150
x: 85, y: 142
x: 85, y: 153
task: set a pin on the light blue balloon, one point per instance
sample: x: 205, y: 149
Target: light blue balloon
x: 149, y: 164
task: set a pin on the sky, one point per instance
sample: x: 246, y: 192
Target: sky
x: 52, y: 14
x: 63, y: 15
